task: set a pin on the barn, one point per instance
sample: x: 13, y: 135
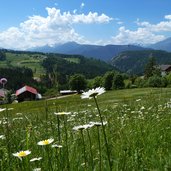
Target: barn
x: 26, y: 93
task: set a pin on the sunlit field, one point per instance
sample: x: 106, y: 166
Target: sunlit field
x: 118, y: 130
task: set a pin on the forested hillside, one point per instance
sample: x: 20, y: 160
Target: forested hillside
x: 48, y: 69
x: 133, y: 62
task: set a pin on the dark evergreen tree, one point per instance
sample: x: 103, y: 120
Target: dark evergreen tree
x: 2, y: 56
x: 108, y: 80
x: 150, y: 67
x: 118, y: 82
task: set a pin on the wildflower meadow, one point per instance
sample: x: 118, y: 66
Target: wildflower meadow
x: 97, y: 131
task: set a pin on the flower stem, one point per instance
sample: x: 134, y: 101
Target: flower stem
x: 66, y: 140
x: 92, y: 163
x: 100, y: 156
x: 104, y: 133
x: 84, y: 150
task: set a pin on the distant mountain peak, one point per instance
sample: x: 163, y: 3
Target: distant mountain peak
x: 105, y: 53
x: 162, y: 45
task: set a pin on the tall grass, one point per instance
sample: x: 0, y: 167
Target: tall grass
x: 138, y: 132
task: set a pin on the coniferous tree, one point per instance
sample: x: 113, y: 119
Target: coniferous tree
x: 150, y: 67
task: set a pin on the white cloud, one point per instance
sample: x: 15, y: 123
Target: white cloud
x: 168, y: 17
x: 55, y: 28
x: 56, y: 4
x: 146, y: 33
x: 120, y: 22
x: 74, y: 11
x: 140, y: 36
x: 82, y: 5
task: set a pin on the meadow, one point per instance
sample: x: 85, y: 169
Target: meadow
x: 119, y: 130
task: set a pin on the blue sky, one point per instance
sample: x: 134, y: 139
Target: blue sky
x: 27, y: 24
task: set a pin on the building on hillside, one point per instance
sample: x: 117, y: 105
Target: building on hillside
x: 27, y: 93
x: 165, y: 69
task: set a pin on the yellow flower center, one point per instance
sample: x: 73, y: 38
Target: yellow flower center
x: 22, y: 154
x: 62, y: 113
x: 45, y: 142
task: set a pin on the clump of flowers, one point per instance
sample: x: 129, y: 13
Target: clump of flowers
x: 45, y: 142
x: 93, y: 93
x: 21, y: 154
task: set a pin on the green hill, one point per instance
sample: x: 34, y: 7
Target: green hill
x: 49, y: 69
x: 133, y: 62
x: 67, y: 64
x: 72, y: 64
x: 24, y: 59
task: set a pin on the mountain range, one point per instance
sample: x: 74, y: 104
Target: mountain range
x: 162, y: 45
x: 105, y: 53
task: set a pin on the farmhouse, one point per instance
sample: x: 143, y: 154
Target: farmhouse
x: 27, y: 93
x: 165, y: 69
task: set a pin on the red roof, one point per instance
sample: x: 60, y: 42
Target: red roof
x: 26, y: 88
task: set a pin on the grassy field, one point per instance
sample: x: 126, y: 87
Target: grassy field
x: 73, y: 60
x: 135, y: 135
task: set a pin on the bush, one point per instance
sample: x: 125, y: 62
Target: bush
x: 97, y: 82
x: 140, y: 82
x: 77, y: 82
x: 156, y: 81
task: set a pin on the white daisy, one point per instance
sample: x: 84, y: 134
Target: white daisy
x: 45, y: 142
x: 81, y: 127
x: 138, y: 100
x: 56, y: 146
x: 98, y: 123
x: 21, y: 154
x: 62, y: 113
x: 37, y: 169
x: 2, y: 137
x: 93, y: 93
x: 35, y: 159
x: 2, y: 109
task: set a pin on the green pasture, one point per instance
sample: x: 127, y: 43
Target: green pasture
x: 73, y: 60
x: 136, y: 134
x: 73, y: 102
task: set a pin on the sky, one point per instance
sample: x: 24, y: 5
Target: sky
x: 36, y: 23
